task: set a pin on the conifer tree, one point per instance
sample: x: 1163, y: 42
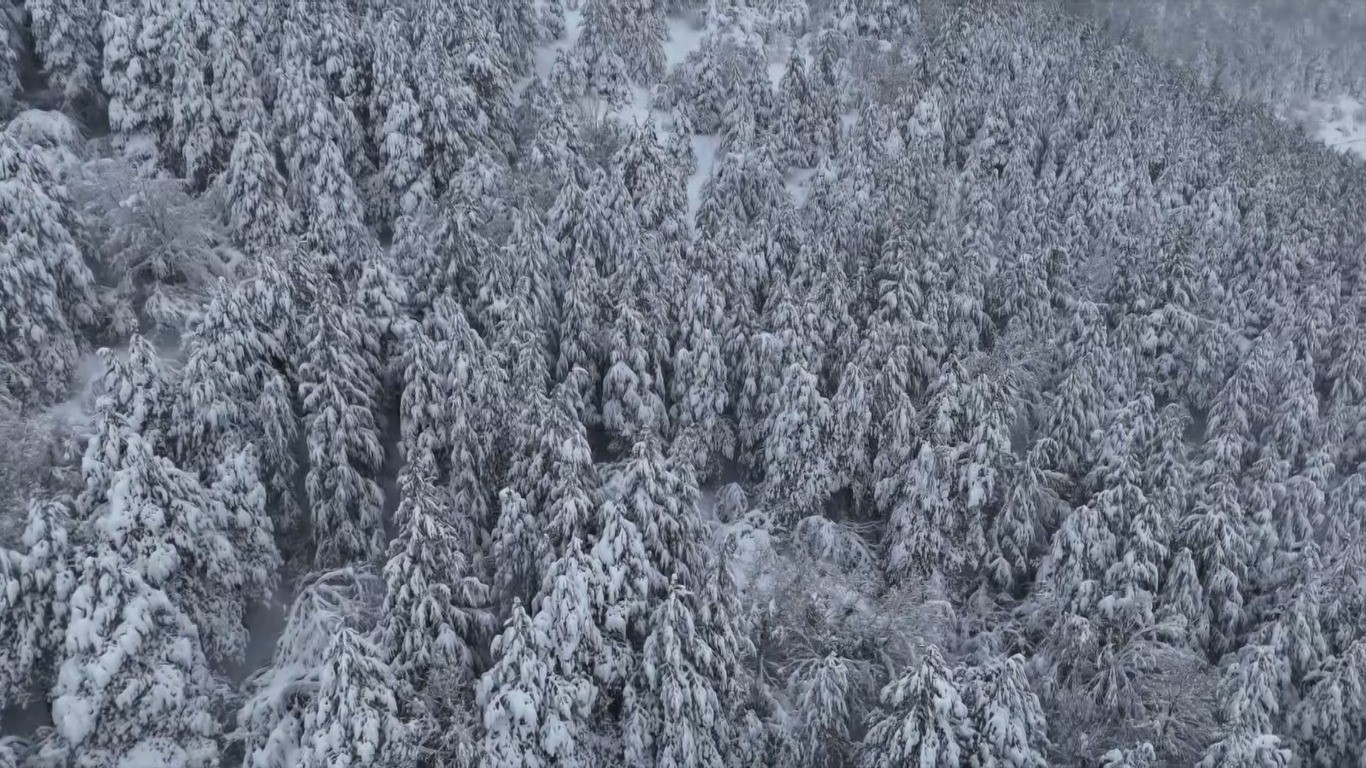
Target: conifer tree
x: 1007, y: 716
x: 801, y: 127
x: 1329, y: 719
x: 660, y: 498
x: 65, y: 39
x: 674, y: 710
x: 434, y: 603
x: 699, y: 396
x: 337, y: 390
x: 799, y: 468
x: 519, y: 705
x: 568, y: 608
x: 1215, y: 529
x: 519, y: 547
x: 133, y: 683
x: 261, y: 218
x: 920, y: 532
x: 922, y: 720
x: 352, y: 718
x: 47, y: 295
x: 632, y: 30
x: 633, y: 386
x: 824, y: 690
x: 37, y: 586
x: 629, y: 573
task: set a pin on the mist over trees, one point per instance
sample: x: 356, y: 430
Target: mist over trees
x: 1302, y: 59
x: 616, y: 382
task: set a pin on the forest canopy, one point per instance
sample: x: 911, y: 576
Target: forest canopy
x: 662, y: 383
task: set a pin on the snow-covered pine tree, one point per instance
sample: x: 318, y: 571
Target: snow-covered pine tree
x: 260, y: 217
x: 167, y: 530
x: 1216, y: 531
x: 1329, y: 720
x: 134, y: 35
x: 698, y: 385
x: 194, y: 142
x: 231, y: 355
x: 825, y: 690
x: 10, y: 46
x: 799, y: 462
x: 133, y: 685
x: 633, y: 386
x: 582, y: 324
x: 655, y: 182
x: 37, y: 583
x: 621, y: 554
x: 920, y: 531
x: 1029, y: 506
x: 518, y: 547
x: 66, y: 39
x: 353, y: 716
x: 238, y: 500
x: 1183, y: 598
x: 569, y: 607
x: 631, y: 30
x: 674, y: 710
x: 337, y: 386
x: 398, y: 125
x: 434, y: 609
x: 922, y: 720
x: 1009, y: 720
x: 661, y: 500
x: 805, y: 125
x: 270, y: 722
x: 47, y: 296
x: 520, y: 708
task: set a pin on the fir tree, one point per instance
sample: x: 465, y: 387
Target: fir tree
x: 1006, y: 714
x: 337, y: 390
x: 47, y: 293
x: 660, y: 499
x: 434, y: 604
x: 353, y: 716
x: 37, y: 587
x: 799, y: 470
x: 674, y: 710
x: 922, y: 720
x: 133, y: 683
x: 64, y: 37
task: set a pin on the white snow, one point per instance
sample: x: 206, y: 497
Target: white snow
x: 543, y: 58
x: 75, y: 413
x: 1342, y: 125
x: 704, y: 149
x: 685, y: 36
x: 1339, y: 122
x: 799, y: 184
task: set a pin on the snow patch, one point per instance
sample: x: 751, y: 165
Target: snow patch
x: 1342, y: 125
x: 685, y: 36
x: 543, y: 58
x: 76, y: 413
x: 704, y: 149
x: 799, y: 184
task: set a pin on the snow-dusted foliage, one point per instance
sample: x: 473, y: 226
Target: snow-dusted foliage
x: 47, y: 292
x: 679, y: 383
x: 922, y: 720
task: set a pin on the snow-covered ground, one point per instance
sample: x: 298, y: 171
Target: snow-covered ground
x: 1342, y: 124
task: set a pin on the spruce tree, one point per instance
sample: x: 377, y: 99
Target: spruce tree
x: 922, y: 720
x: 337, y: 386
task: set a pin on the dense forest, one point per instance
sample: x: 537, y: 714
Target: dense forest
x: 1303, y: 58
x: 530, y: 383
